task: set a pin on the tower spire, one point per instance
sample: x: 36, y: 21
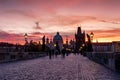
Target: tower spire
x: 79, y: 30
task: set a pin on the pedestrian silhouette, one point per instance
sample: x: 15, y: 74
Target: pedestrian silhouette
x: 63, y: 52
x: 50, y: 54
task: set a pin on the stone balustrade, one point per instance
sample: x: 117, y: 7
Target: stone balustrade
x: 13, y: 56
x: 108, y: 59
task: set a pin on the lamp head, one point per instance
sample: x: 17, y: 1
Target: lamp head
x: 91, y: 34
x: 25, y: 35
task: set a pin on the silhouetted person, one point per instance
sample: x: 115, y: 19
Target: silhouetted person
x: 50, y: 54
x: 57, y: 48
x: 63, y: 52
x: 67, y: 53
x: 53, y: 52
x: 56, y: 53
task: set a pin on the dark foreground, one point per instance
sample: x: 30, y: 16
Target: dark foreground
x: 70, y: 68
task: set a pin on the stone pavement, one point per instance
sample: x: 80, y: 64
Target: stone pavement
x: 70, y: 68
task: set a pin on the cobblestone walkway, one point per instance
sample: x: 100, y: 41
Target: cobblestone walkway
x: 70, y: 68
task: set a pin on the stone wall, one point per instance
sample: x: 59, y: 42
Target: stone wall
x: 107, y: 59
x: 14, y: 56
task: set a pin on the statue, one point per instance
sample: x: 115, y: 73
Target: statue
x: 89, y: 40
x: 89, y: 44
x: 43, y: 43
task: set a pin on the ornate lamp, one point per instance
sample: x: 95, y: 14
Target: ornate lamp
x: 91, y: 36
x: 26, y: 36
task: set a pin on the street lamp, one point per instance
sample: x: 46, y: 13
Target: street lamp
x: 26, y: 42
x: 83, y: 44
x: 91, y: 36
x: 26, y: 36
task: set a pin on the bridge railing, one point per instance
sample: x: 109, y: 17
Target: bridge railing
x: 13, y: 56
x: 108, y: 59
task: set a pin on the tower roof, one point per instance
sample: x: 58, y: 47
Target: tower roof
x: 79, y: 30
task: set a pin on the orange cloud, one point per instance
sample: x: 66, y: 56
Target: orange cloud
x: 106, y: 35
x: 19, y: 16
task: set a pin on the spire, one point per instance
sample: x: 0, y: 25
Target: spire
x: 79, y: 30
x: 83, y: 32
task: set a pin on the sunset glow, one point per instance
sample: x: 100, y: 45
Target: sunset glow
x: 17, y: 17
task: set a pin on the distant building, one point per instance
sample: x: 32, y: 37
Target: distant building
x: 116, y: 46
x: 79, y: 39
x: 107, y: 46
x: 102, y: 47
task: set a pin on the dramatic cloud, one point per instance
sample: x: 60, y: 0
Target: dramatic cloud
x: 18, y: 17
x: 107, y: 35
x: 5, y: 35
x: 76, y: 19
x: 20, y: 12
x: 11, y: 38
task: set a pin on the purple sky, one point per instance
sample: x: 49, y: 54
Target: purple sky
x: 19, y: 16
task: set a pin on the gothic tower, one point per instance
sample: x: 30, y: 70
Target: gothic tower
x: 80, y: 39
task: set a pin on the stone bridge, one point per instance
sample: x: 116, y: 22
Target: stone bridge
x: 72, y: 67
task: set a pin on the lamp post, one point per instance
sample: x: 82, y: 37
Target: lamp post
x: 91, y: 36
x: 26, y: 42
x: 26, y: 37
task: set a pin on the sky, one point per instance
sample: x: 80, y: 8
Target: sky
x: 17, y: 17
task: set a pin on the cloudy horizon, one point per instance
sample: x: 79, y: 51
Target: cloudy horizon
x: 18, y: 17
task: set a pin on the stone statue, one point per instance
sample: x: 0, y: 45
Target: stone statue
x: 43, y: 43
x: 89, y: 44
